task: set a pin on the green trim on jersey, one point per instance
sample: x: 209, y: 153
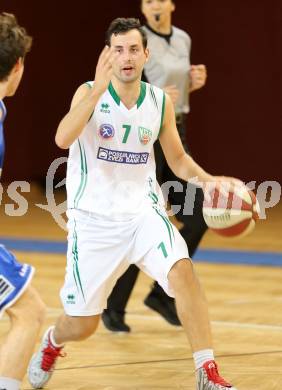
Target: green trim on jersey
x: 114, y: 94
x: 76, y: 273
x: 162, y: 117
x: 142, y: 95
x: 140, y: 99
x: 154, y: 197
x: 88, y: 83
x: 153, y: 96
x: 83, y: 173
x: 151, y: 194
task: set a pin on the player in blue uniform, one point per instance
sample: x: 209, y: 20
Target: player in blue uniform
x: 17, y: 297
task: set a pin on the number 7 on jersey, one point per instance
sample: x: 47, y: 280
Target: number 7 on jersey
x: 126, y: 133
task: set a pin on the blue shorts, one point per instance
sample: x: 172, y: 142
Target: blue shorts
x: 14, y: 278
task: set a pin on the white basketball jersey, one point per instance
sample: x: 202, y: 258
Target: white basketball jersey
x: 111, y: 166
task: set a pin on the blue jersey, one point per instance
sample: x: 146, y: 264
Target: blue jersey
x: 2, y: 143
x: 14, y: 276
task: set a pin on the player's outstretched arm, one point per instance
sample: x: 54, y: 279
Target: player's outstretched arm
x: 182, y: 165
x: 84, y: 102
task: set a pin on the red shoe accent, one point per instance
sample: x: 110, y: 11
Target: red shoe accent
x: 213, y: 375
x: 50, y: 355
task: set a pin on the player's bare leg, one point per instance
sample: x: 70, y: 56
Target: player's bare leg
x: 74, y: 328
x: 191, y: 304
x: 26, y: 316
x: 67, y: 328
x: 192, y: 309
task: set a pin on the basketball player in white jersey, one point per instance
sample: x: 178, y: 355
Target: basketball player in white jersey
x: 168, y: 68
x: 115, y: 213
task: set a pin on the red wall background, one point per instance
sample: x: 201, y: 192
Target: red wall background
x: 236, y: 123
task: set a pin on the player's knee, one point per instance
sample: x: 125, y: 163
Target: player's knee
x: 181, y: 274
x: 83, y: 327
x: 35, y: 305
x: 39, y: 309
x: 29, y: 308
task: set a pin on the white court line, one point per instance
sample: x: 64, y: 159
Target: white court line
x: 244, y: 301
x: 243, y: 325
x: 54, y: 312
x: 157, y: 318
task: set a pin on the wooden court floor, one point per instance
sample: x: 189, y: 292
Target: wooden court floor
x: 245, y: 310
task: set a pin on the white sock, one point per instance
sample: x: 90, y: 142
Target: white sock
x: 9, y: 384
x: 52, y: 339
x: 203, y: 356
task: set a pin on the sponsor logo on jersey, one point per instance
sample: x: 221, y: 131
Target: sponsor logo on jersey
x: 24, y: 270
x: 118, y: 156
x: 145, y: 135
x: 71, y: 299
x: 106, y: 131
x: 6, y: 289
x: 105, y: 108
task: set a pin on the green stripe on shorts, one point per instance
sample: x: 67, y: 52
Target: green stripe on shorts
x: 167, y: 224
x: 75, y: 263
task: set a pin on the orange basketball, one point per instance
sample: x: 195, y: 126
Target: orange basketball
x: 234, y: 216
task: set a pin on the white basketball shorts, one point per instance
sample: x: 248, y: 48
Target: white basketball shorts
x: 100, y: 251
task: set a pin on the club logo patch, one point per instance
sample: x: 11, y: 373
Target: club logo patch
x: 145, y: 135
x: 106, y: 131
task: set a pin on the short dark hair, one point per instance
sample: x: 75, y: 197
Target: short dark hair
x: 14, y: 43
x: 122, y: 26
x: 173, y: 1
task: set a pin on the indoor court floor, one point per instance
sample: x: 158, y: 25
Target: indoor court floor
x: 243, y: 283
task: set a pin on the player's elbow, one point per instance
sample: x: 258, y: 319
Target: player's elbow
x: 61, y: 142
x: 173, y: 167
x: 175, y: 163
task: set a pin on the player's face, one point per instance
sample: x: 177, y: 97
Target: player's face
x: 162, y: 8
x: 15, y: 77
x: 131, y: 55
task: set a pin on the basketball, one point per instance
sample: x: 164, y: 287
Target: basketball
x: 234, y: 216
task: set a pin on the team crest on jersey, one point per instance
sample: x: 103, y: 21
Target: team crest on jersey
x: 145, y: 135
x: 106, y: 131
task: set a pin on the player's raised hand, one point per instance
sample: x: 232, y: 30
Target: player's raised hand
x: 104, y: 69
